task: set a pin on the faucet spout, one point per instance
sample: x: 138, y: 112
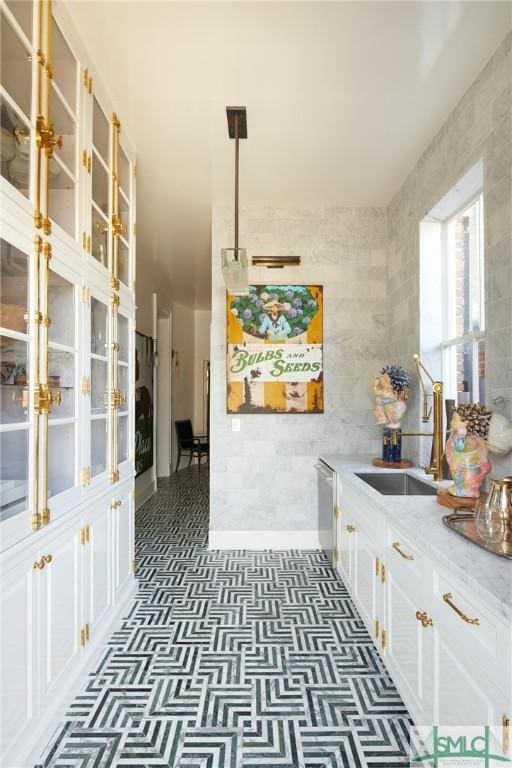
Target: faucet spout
x: 436, y: 463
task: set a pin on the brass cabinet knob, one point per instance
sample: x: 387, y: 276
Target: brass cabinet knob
x: 425, y: 620
x: 56, y: 398
x: 350, y: 528
x: 40, y: 564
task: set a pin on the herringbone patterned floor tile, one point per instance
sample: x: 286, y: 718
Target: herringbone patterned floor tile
x: 232, y: 660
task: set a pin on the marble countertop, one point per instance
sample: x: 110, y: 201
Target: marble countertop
x: 489, y: 576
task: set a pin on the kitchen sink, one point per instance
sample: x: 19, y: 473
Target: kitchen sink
x: 397, y: 484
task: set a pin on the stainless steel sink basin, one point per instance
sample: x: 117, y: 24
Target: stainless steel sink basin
x: 397, y: 484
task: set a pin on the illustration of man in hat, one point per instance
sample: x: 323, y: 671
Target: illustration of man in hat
x: 274, y: 325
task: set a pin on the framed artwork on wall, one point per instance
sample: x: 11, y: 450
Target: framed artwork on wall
x: 275, y: 350
x: 143, y: 403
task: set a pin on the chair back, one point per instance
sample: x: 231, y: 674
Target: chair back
x: 184, y: 432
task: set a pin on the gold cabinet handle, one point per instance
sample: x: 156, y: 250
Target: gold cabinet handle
x: 40, y: 564
x: 56, y: 397
x: 115, y: 503
x: 350, y: 528
x: 448, y: 598
x: 425, y: 620
x: 396, y: 547
x: 506, y: 734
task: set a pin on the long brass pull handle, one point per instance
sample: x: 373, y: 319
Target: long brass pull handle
x: 396, y: 547
x: 506, y: 734
x: 425, y: 620
x: 448, y: 597
x: 350, y: 528
x: 40, y: 564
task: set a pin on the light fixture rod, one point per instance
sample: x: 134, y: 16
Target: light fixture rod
x: 237, y: 162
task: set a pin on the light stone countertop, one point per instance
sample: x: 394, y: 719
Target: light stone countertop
x: 420, y: 518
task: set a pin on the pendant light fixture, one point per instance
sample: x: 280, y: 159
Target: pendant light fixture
x: 234, y: 260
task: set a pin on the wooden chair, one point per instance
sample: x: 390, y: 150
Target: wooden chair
x: 190, y: 444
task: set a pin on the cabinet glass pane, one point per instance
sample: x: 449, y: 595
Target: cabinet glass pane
x: 14, y: 148
x: 61, y: 199
x: 99, y: 319
x: 13, y: 287
x: 124, y: 349
x: 123, y: 439
x: 123, y: 262
x: 98, y: 446
x: 122, y: 383
x: 16, y: 67
x: 98, y: 385
x: 61, y: 377
x: 65, y: 126
x: 61, y: 458
x: 64, y: 67
x: 124, y: 173
x: 100, y: 131
x: 61, y: 296
x: 14, y: 380
x: 13, y: 472
x: 22, y: 12
x: 99, y: 240
x: 99, y: 184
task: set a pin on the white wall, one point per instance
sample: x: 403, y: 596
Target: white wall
x: 163, y: 371
x: 202, y: 320
x: 182, y: 367
x: 263, y: 477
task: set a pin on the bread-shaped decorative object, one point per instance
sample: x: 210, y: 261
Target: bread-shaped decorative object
x: 499, y: 436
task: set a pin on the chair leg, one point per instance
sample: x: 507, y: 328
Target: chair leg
x: 190, y: 457
x: 179, y: 459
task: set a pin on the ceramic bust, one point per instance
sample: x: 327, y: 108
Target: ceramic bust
x: 390, y: 405
x: 467, y: 458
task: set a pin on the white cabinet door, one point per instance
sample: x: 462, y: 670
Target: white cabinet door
x: 463, y: 695
x: 59, y: 611
x: 364, y: 578
x: 18, y: 691
x: 97, y: 568
x: 346, y: 551
x: 122, y: 518
x: 410, y: 647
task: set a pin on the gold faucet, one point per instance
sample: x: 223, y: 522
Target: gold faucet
x: 436, y: 466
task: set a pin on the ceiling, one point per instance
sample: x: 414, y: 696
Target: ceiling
x: 342, y: 98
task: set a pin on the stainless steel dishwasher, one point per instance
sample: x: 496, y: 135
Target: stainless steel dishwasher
x: 327, y: 497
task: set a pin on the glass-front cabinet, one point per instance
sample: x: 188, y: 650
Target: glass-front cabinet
x: 67, y: 228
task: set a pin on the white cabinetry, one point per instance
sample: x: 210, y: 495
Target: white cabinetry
x: 448, y: 654
x: 67, y: 309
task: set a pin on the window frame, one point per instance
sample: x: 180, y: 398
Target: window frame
x: 472, y: 337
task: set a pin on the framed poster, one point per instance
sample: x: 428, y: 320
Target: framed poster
x: 143, y: 403
x: 275, y: 350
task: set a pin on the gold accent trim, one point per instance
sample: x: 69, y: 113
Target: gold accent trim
x: 384, y: 639
x: 114, y: 300
x: 382, y: 573
x: 84, y: 158
x: 84, y: 535
x: 350, y: 528
x: 83, y: 638
x: 377, y: 629
x: 38, y: 219
x: 36, y: 521
x: 85, y: 477
x: 377, y: 567
x: 40, y: 564
x: 337, y: 512
x: 448, y: 598
x: 85, y: 385
x: 88, y: 244
x: 115, y: 284
x: 45, y: 516
x: 47, y: 226
x: 89, y: 164
x: 115, y: 503
x: 114, y: 476
x: 87, y: 632
x: 38, y: 244
x: 505, y: 721
x: 84, y: 241
x: 396, y: 547
x: 85, y: 295
x: 89, y: 85
x: 44, y: 398
x: 47, y: 251
x: 115, y: 346
x: 425, y: 620
x: 86, y: 77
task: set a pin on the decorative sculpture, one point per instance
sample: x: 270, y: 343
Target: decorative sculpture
x: 391, y: 390
x: 466, y: 454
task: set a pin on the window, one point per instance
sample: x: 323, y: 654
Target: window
x: 463, y: 322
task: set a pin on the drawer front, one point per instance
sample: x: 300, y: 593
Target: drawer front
x: 364, y: 516
x: 482, y: 639
x: 406, y: 560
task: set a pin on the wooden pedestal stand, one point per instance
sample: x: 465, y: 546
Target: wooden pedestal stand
x: 452, y: 502
x: 404, y: 464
